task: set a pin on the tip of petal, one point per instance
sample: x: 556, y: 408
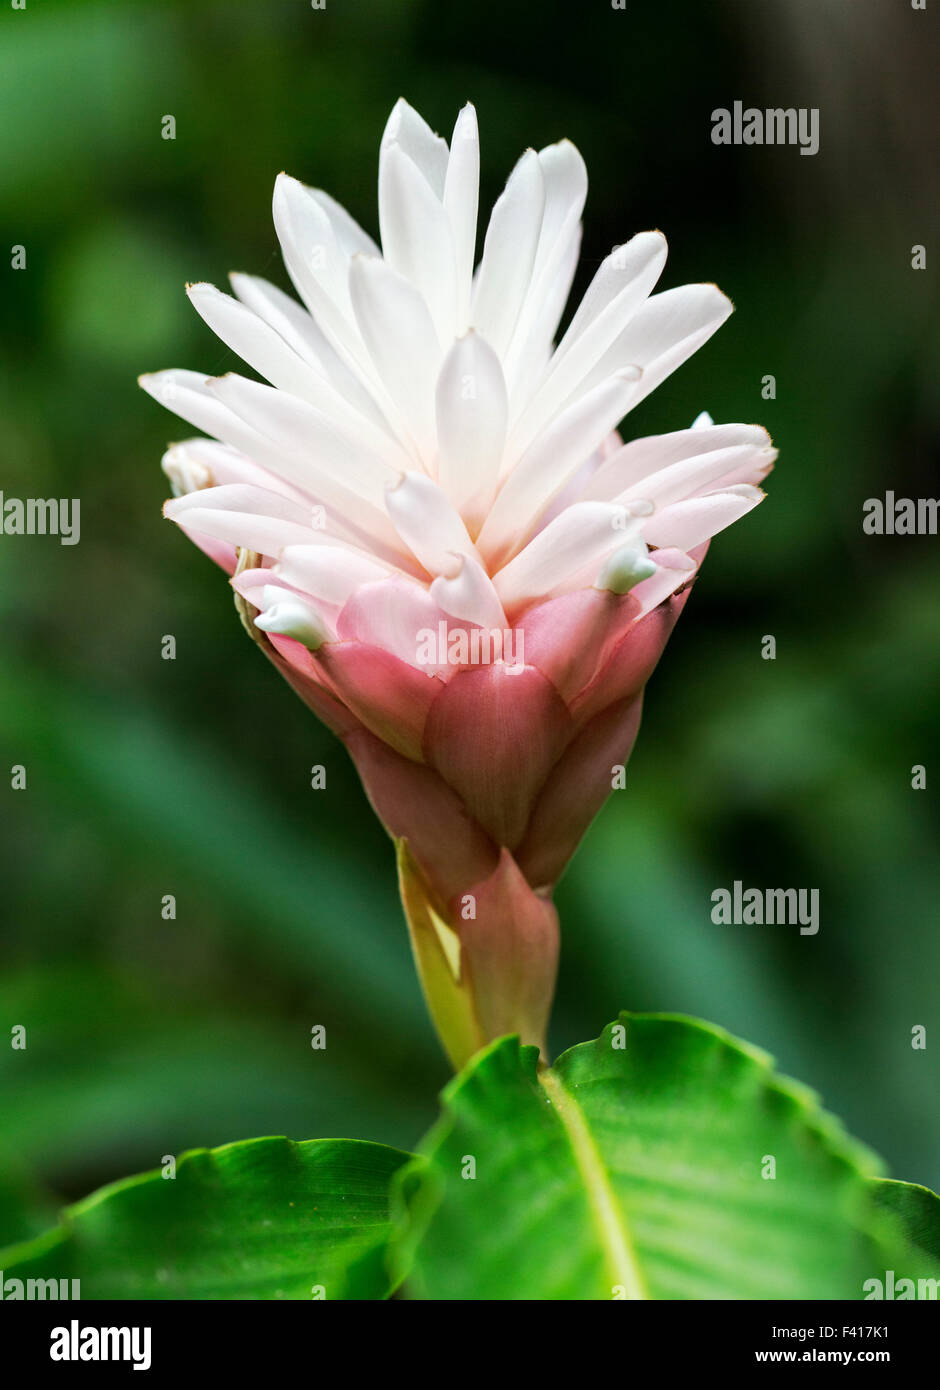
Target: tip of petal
x: 153, y: 383
x: 362, y: 263
x: 710, y: 285
x: 285, y: 183
x: 453, y: 564
x: 395, y: 115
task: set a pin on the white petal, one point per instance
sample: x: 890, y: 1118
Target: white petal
x: 667, y: 467
x: 251, y: 584
x: 472, y: 409
x: 318, y: 266
x: 565, y: 181
x: 565, y: 177
x: 551, y: 461
x: 427, y: 522
x: 686, y: 524
x: 575, y: 488
x: 567, y: 553
x: 527, y: 366
x: 318, y: 447
x: 416, y: 237
x: 620, y: 286
x: 467, y: 593
x: 405, y: 127
x: 255, y: 342
x: 187, y: 395
x: 663, y: 332
x: 396, y: 327
x: 753, y: 470
x: 673, y: 569
x: 509, y: 253
x: 193, y: 464
x: 330, y: 573
x: 641, y: 258
x: 253, y: 430
x: 313, y: 255
x: 301, y: 332
x: 190, y: 395
x: 685, y: 480
x: 299, y: 445
x: 461, y: 197
x: 282, y: 313
x: 249, y: 517
x: 351, y: 237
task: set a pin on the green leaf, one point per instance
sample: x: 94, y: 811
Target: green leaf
x: 917, y: 1209
x: 636, y: 1168
x: 262, y: 1219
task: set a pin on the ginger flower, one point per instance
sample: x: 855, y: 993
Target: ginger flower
x: 437, y: 535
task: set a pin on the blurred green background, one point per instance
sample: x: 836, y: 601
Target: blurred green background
x: 192, y: 777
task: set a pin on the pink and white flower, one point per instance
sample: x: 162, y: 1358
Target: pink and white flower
x: 441, y: 540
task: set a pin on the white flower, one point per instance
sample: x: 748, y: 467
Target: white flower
x: 461, y: 461
x: 426, y: 482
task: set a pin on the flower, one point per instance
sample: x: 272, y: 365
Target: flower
x: 436, y: 534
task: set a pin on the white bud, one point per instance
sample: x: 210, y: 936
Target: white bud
x: 626, y: 567
x: 288, y: 616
